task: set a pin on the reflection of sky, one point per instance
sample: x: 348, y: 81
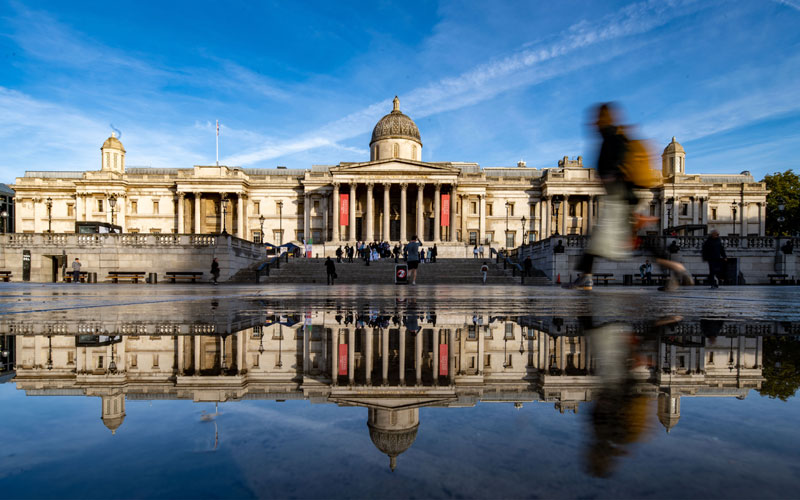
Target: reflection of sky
x: 58, y: 447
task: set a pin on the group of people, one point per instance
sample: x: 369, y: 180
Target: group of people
x: 412, y: 253
x: 477, y: 252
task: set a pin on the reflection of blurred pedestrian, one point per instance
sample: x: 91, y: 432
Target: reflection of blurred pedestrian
x: 714, y: 254
x: 215, y: 270
x: 484, y: 271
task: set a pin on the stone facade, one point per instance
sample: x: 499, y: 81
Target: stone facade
x: 393, y: 196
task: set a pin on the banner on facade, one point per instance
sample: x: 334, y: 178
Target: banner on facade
x: 443, y: 360
x: 445, y: 219
x: 342, y: 359
x: 344, y: 209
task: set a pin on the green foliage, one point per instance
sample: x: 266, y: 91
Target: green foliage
x: 784, y: 185
x: 781, y: 367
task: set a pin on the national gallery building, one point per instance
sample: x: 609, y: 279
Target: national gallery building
x: 392, y: 196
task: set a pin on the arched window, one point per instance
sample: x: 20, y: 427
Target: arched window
x: 396, y: 151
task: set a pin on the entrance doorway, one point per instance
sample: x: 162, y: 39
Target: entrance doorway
x: 56, y: 263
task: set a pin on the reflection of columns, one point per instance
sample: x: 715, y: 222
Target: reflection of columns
x: 402, y: 355
x: 240, y: 351
x: 352, y: 233
x: 385, y: 356
x: 482, y: 223
x: 351, y: 354
x: 181, y: 347
x: 565, y: 207
x: 546, y: 337
x: 334, y: 356
x: 436, y: 334
x: 306, y: 348
x: 420, y: 221
x: 562, y: 354
x: 437, y: 200
x: 197, y: 229
x: 403, y: 209
x: 240, y: 227
x: 590, y: 215
x: 180, y: 213
x: 306, y: 217
x: 386, y: 212
x: 368, y: 337
x: 336, y: 206
x: 453, y: 212
x: 324, y: 354
x: 481, y: 348
x: 196, y: 340
x: 369, y: 223
x: 418, y: 357
x: 451, y: 360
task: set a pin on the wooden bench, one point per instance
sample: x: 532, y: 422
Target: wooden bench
x: 604, y: 277
x: 655, y: 279
x: 5, y: 276
x: 778, y: 279
x: 133, y: 276
x: 183, y: 275
x: 701, y: 279
x: 68, y: 277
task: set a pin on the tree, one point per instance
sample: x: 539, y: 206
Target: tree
x: 781, y: 362
x: 786, y: 186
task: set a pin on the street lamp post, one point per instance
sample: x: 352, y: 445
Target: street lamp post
x: 224, y: 203
x: 261, y: 225
x: 733, y: 212
x: 670, y: 202
x: 524, y: 239
x: 4, y: 215
x: 280, y: 222
x: 556, y: 205
x: 112, y: 202
x: 49, y: 205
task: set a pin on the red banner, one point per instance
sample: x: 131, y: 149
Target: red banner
x: 445, y: 220
x: 343, y: 358
x: 443, y: 360
x: 344, y: 209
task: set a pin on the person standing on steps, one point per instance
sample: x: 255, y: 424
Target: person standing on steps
x: 215, y: 271
x: 412, y: 249
x: 484, y: 271
x: 475, y: 252
x: 330, y: 269
x: 339, y: 255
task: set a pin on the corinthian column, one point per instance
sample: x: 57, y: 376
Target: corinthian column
x: 180, y: 213
x: 482, y: 223
x: 336, y: 207
x: 437, y: 213
x: 420, y: 221
x: 370, y: 222
x: 352, y: 235
x: 386, y: 214
x: 453, y: 213
x: 403, y: 208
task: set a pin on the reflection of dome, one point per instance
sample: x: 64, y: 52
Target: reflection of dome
x: 669, y: 410
x: 113, y: 142
x: 396, y: 125
x: 674, y: 147
x: 113, y: 423
x: 393, y: 431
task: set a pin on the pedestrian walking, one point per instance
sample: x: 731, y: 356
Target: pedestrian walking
x: 714, y: 254
x: 330, y: 270
x: 76, y: 271
x: 434, y: 253
x: 475, y: 252
x: 339, y: 255
x: 215, y: 271
x: 480, y: 251
x: 527, y: 266
x: 484, y: 271
x: 412, y: 250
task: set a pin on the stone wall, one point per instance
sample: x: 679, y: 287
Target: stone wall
x: 758, y: 257
x: 101, y: 253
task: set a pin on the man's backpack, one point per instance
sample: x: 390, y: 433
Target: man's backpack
x: 637, y: 165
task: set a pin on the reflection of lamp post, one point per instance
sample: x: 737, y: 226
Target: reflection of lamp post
x: 49, y: 205
x: 49, y: 352
x: 4, y: 215
x: 112, y: 367
x: 556, y: 205
x: 224, y: 203
x: 280, y: 222
x: 112, y: 202
x: 730, y: 357
x: 521, y: 345
x: 261, y: 224
x: 279, y: 364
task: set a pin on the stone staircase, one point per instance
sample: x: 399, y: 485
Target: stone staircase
x: 443, y: 272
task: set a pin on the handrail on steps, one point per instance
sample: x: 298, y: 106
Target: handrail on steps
x: 264, y: 267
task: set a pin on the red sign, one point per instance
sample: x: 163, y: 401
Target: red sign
x: 445, y: 210
x: 344, y: 209
x: 443, y: 360
x: 401, y: 273
x: 342, y: 359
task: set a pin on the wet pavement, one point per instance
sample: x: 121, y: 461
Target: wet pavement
x: 130, y: 391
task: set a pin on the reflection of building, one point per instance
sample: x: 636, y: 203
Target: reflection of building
x: 7, y: 356
x: 373, y: 361
x: 392, y: 196
x: 6, y: 209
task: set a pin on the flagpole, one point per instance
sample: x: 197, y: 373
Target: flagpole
x: 218, y: 143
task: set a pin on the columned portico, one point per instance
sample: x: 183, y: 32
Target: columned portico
x: 403, y: 211
x: 369, y: 223
x: 387, y: 221
x: 420, y: 207
x: 352, y: 236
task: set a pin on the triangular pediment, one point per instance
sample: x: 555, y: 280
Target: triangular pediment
x: 392, y: 403
x: 394, y: 166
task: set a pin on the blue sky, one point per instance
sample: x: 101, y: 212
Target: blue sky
x: 302, y: 83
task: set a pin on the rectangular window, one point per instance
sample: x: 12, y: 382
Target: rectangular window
x: 70, y: 357
x: 489, y: 209
x: 134, y: 206
x: 473, y: 206
x: 316, y: 206
x: 134, y: 361
x: 100, y: 206
x: 257, y: 237
x: 711, y: 358
x: 713, y: 214
x: 257, y: 207
x: 487, y: 360
x: 155, y: 360
x: 301, y: 208
x: 571, y: 210
x: 257, y: 331
x: 70, y: 210
x: 99, y: 361
x: 684, y: 209
x: 155, y: 206
x: 473, y: 237
x: 510, y: 239
x: 277, y: 236
x: 511, y: 210
x: 489, y: 236
x: 532, y: 210
x: 509, y: 331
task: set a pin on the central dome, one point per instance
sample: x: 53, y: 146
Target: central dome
x: 396, y: 125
